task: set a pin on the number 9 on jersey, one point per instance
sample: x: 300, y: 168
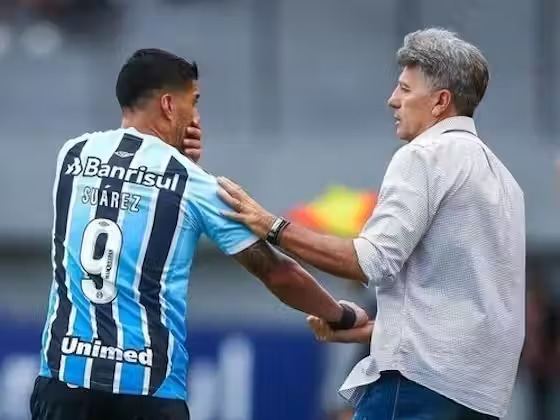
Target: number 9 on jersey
x: 104, y: 267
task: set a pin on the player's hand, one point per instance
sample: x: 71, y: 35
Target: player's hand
x: 192, y: 146
x: 323, y: 332
x: 246, y: 210
x: 361, y: 333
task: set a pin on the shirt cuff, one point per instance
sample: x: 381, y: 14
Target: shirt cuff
x: 364, y: 250
x: 371, y: 262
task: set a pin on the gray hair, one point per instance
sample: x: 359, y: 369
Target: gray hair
x: 448, y: 62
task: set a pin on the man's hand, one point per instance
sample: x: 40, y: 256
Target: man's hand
x: 192, y: 146
x: 247, y: 210
x: 334, y: 255
x: 361, y: 333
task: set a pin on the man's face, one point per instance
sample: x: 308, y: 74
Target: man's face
x: 413, y: 103
x: 184, y: 111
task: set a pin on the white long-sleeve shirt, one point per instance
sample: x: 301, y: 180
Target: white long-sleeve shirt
x: 445, y: 249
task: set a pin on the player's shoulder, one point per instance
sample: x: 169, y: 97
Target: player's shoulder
x: 202, y: 184
x: 68, y: 144
x: 194, y: 170
x: 115, y: 134
x: 85, y: 137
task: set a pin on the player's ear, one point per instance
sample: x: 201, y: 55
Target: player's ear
x: 166, y: 104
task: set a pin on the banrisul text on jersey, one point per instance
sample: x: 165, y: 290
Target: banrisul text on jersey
x: 94, y: 167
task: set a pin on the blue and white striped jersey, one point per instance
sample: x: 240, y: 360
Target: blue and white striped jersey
x: 128, y: 212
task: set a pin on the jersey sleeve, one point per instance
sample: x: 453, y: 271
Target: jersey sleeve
x: 230, y: 236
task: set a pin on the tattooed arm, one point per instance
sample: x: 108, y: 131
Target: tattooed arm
x: 281, y: 275
x: 288, y: 281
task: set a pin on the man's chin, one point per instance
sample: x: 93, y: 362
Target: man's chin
x: 403, y: 135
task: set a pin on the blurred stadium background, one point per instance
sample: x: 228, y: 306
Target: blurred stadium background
x: 293, y: 107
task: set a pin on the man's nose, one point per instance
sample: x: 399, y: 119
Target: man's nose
x: 393, y: 102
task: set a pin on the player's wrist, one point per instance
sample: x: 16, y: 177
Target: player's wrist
x: 347, y: 319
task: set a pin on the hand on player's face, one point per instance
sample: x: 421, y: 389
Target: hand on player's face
x: 246, y: 210
x: 361, y: 333
x: 192, y: 146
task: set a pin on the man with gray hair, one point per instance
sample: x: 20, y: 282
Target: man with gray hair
x: 444, y: 248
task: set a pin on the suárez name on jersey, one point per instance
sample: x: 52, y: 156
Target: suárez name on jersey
x: 93, y: 167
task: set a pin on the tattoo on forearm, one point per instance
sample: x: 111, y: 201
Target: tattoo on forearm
x: 259, y: 259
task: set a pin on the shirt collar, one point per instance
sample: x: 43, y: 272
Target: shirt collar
x: 451, y: 123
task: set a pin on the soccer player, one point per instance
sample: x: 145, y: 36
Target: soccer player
x: 129, y: 209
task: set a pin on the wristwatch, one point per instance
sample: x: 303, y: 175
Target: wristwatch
x: 273, y: 235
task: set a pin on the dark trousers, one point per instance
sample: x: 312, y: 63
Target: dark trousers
x: 54, y: 400
x: 393, y: 397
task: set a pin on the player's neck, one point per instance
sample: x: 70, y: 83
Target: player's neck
x: 143, y: 127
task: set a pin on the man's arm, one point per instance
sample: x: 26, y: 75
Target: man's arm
x: 329, y: 253
x: 288, y: 281
x: 281, y: 275
x: 400, y: 219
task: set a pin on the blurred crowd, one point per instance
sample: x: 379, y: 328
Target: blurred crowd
x: 72, y: 16
x: 541, y: 354
x: 54, y: 9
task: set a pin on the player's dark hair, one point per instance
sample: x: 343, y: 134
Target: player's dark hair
x: 149, y: 70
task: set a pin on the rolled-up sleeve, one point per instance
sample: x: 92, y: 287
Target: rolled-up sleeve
x: 405, y: 208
